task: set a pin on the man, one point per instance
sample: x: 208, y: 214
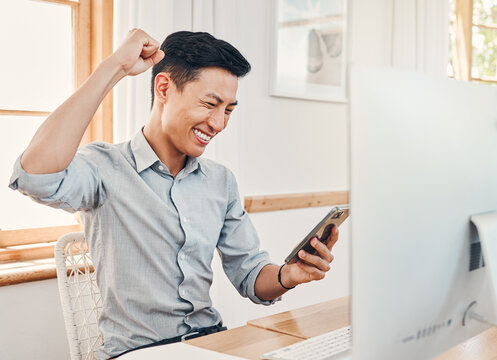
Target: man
x: 153, y: 211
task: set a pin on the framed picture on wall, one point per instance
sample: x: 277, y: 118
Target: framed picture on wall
x: 309, y: 49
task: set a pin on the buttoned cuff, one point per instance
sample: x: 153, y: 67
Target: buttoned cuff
x: 251, y: 285
x: 35, y: 185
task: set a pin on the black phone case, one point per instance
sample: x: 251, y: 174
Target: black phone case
x: 321, y: 231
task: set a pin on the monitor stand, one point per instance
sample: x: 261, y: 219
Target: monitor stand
x: 486, y: 225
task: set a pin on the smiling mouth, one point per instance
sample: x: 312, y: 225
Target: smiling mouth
x: 202, y: 136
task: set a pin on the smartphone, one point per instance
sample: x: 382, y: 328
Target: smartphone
x: 321, y: 231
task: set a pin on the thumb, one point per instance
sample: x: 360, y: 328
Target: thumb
x: 156, y: 57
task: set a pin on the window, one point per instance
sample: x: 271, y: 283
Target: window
x: 473, y: 40
x: 50, y: 50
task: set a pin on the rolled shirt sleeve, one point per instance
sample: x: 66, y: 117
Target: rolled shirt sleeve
x: 238, y: 247
x: 78, y: 187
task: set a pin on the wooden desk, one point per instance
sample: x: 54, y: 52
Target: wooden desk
x: 308, y: 321
x: 279, y: 330
x: 480, y: 347
x: 248, y: 342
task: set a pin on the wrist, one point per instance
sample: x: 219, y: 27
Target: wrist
x: 113, y: 68
x: 284, y: 278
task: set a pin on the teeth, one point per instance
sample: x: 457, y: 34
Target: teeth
x: 202, y: 135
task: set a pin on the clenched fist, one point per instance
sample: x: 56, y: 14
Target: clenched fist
x: 138, y: 53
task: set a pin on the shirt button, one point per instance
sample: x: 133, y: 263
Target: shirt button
x: 185, y: 219
x: 187, y: 318
x: 182, y: 256
x: 161, y: 167
x: 183, y: 292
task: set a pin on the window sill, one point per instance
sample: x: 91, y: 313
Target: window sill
x: 27, y: 273
x: 27, y: 254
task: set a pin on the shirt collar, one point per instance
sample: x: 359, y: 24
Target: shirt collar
x: 192, y: 164
x: 145, y: 156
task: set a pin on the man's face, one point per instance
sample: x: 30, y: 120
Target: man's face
x: 192, y: 118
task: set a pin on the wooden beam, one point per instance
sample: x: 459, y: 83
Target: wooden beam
x: 101, y: 48
x: 483, y: 26
x: 23, y: 113
x: 94, y: 43
x: 82, y: 49
x: 35, y: 236
x: 62, y: 2
x: 36, y: 253
x: 464, y: 37
x: 35, y: 274
x: 295, y: 201
x: 31, y: 273
x: 81, y: 42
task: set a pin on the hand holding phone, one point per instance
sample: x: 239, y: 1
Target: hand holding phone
x: 321, y: 231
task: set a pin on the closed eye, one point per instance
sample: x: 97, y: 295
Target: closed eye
x: 207, y: 103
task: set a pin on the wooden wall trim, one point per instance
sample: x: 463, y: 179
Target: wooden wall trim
x: 35, y: 235
x: 295, y: 201
x: 32, y: 273
x: 19, y: 277
x: 43, y: 252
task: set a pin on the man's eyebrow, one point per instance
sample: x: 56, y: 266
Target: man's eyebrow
x: 219, y: 100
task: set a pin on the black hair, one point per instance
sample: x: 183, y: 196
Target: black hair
x: 187, y: 53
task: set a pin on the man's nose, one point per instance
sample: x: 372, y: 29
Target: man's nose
x: 216, y: 121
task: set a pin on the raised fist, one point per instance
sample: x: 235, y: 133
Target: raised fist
x: 138, y: 52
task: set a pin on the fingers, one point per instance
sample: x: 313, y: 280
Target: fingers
x: 150, y: 47
x: 323, y: 251
x: 299, y: 273
x: 138, y: 52
x: 321, y: 263
x: 314, y: 267
x: 309, y: 273
x: 333, y: 238
x: 156, y: 57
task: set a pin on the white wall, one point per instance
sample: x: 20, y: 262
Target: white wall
x: 284, y: 146
x: 274, y: 145
x: 31, y: 325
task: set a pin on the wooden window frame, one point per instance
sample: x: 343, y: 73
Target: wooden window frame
x: 27, y: 254
x: 463, y: 51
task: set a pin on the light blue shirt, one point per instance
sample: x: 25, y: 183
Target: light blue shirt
x: 152, y: 237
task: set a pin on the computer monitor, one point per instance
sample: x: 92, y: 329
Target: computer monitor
x: 423, y: 160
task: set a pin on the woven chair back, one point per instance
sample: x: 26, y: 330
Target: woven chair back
x: 79, y: 295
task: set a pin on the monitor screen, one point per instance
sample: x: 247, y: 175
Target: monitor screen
x: 423, y: 161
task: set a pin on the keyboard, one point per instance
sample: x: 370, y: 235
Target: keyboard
x: 320, y: 347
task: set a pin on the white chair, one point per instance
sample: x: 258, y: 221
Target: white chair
x: 79, y: 295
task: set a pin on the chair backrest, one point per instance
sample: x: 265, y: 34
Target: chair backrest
x: 79, y: 295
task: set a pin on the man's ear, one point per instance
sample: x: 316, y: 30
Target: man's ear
x: 162, y: 85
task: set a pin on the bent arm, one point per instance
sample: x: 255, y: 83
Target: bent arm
x: 55, y: 143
